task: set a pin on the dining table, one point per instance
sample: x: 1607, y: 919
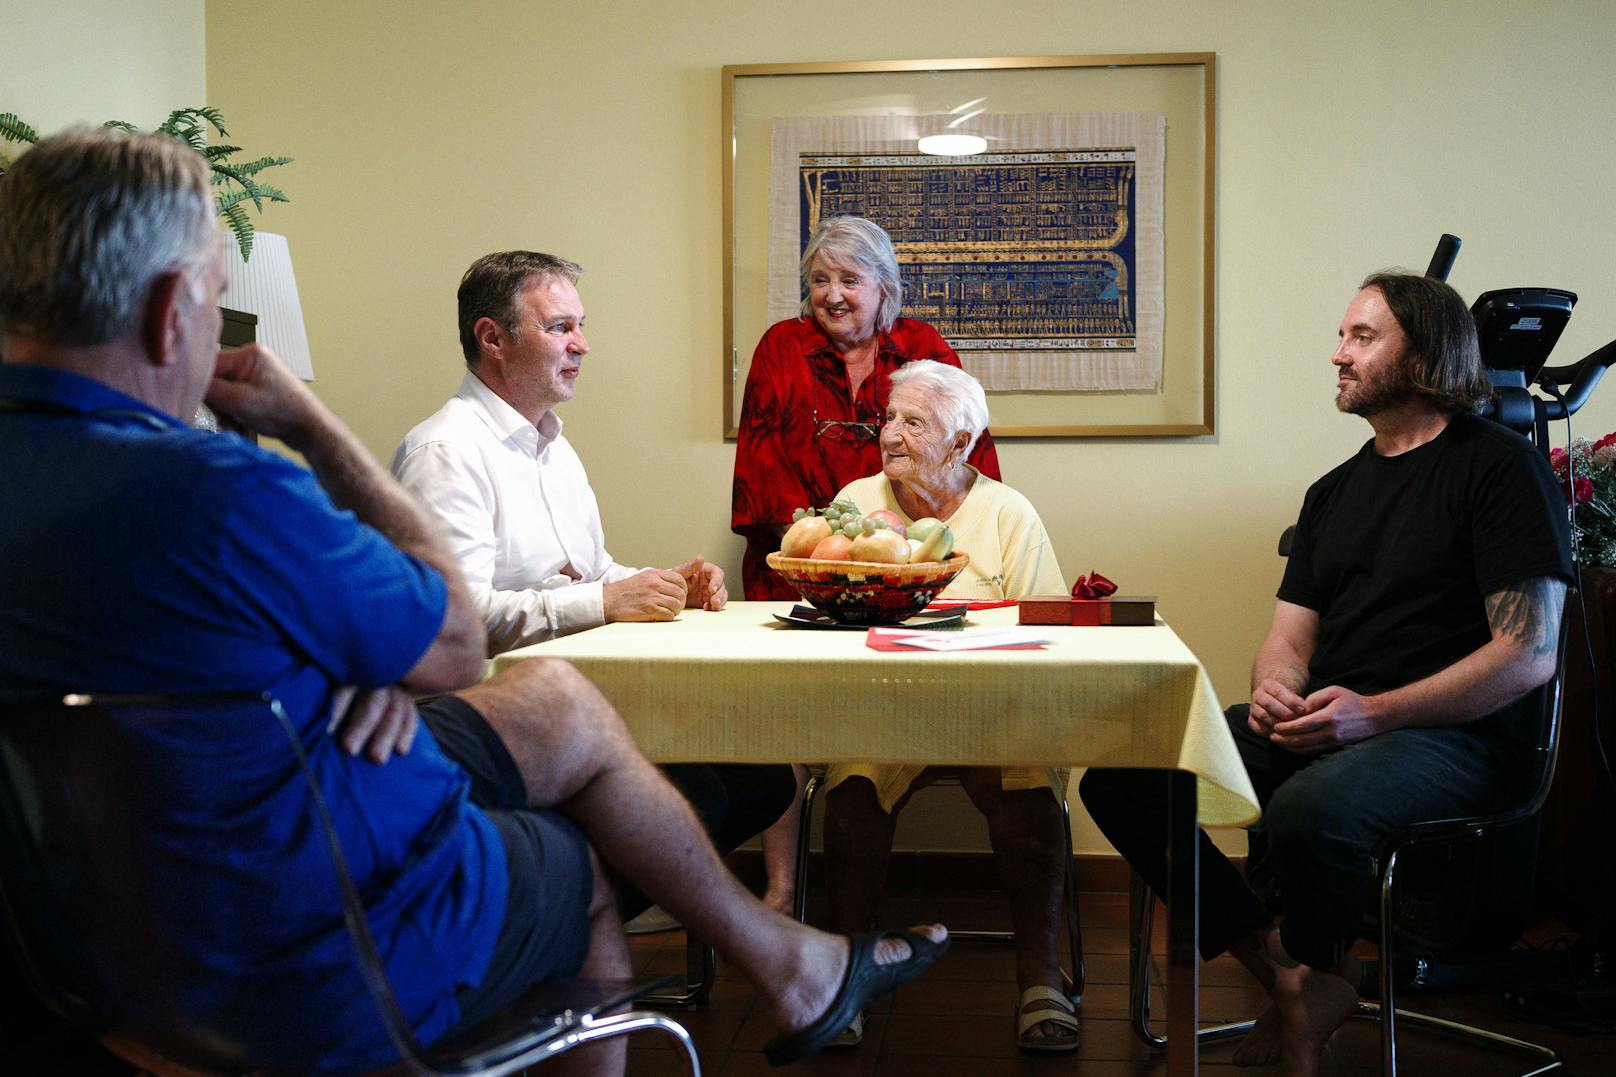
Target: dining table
x: 761, y: 682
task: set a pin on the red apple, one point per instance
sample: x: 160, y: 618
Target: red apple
x: 893, y: 520
x: 834, y: 548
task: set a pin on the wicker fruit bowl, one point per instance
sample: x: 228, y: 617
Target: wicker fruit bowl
x: 864, y: 592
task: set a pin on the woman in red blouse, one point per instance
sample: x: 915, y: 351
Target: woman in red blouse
x: 817, y: 391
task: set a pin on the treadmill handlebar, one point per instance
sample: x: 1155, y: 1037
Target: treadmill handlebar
x: 1447, y: 249
x: 1580, y: 378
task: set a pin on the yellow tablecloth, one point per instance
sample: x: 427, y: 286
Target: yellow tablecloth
x: 739, y: 686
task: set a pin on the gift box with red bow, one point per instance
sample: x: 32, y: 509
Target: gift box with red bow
x: 1093, y: 601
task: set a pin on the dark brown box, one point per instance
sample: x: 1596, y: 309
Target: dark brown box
x: 1066, y: 610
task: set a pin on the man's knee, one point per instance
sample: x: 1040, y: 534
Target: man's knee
x: 550, y: 697
x: 1120, y: 793
x: 1307, y: 817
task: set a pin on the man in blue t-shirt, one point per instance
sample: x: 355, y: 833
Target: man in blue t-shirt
x: 485, y: 830
x: 1417, y: 621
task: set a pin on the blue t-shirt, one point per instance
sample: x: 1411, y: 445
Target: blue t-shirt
x: 143, y: 556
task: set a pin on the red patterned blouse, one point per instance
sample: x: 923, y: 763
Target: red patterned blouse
x: 792, y: 453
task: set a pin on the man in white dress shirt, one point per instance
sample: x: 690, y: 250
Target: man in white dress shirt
x: 511, y: 492
x: 523, y: 523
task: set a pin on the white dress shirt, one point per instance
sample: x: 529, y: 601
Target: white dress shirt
x: 518, y: 512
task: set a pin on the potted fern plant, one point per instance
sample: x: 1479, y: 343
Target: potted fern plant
x: 236, y: 181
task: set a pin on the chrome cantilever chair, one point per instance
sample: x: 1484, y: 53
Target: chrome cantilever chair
x: 1538, y: 777
x: 1074, y: 924
x: 82, y: 903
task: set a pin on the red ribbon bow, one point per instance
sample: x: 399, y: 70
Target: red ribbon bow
x: 1093, y: 585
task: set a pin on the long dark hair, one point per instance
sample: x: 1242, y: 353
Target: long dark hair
x: 1443, y: 359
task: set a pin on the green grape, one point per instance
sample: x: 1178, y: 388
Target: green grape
x: 853, y: 528
x: 799, y: 514
x: 876, y: 524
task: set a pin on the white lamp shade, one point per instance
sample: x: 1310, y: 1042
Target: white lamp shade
x: 266, y: 287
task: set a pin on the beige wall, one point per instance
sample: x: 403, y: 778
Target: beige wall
x: 1350, y: 137
x: 73, y: 61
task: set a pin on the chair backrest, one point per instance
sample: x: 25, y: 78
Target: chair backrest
x: 127, y: 885
x: 1470, y: 896
x: 87, y: 911
x: 87, y: 876
x: 1537, y: 771
x: 122, y: 887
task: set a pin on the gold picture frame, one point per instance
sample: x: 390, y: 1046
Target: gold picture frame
x: 1180, y: 87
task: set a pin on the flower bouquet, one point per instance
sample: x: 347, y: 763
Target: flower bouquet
x: 1587, y: 476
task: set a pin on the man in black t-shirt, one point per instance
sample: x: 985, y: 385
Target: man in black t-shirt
x: 1416, y: 625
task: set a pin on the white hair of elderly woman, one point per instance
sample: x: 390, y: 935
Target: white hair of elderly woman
x: 956, y: 396
x: 866, y: 245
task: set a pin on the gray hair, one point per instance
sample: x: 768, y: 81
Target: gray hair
x: 866, y: 245
x: 89, y: 218
x: 489, y: 289
x: 956, y: 397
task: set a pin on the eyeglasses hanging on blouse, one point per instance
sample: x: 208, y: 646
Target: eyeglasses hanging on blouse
x: 845, y: 429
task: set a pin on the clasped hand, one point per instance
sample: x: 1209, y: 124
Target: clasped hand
x: 658, y: 594
x: 1329, y: 718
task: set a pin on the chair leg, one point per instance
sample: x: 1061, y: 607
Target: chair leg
x: 600, y: 1028
x: 1141, y: 921
x: 1074, y: 919
x: 799, y: 899
x: 1389, y: 1016
x: 701, y: 968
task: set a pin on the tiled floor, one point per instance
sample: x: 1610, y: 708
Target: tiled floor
x: 956, y: 1020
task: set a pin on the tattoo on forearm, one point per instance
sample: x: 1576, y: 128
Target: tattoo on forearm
x: 1528, y: 612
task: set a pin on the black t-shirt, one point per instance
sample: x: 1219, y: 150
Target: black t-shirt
x: 1396, y: 552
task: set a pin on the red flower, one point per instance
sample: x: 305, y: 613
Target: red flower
x: 1584, y: 492
x: 1608, y: 439
x: 1557, y: 460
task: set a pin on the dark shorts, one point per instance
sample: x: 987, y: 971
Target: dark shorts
x: 545, y: 933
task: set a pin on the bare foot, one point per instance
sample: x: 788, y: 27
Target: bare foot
x: 1309, y: 1005
x: 1312, y: 1004
x: 1260, y: 1046
x: 819, y: 967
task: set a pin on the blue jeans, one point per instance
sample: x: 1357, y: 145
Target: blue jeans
x: 1322, y: 817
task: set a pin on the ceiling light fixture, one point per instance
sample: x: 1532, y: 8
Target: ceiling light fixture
x: 955, y: 143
